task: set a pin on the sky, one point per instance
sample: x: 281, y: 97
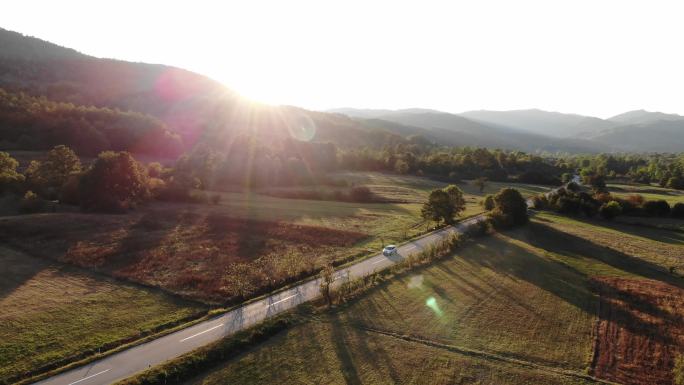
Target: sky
x: 597, y: 58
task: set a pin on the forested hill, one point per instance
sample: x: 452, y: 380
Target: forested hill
x: 36, y: 123
x: 113, y: 103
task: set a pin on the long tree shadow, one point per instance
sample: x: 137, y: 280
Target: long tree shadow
x: 16, y: 269
x: 659, y: 235
x: 571, y: 246
x: 622, y: 304
x: 339, y: 342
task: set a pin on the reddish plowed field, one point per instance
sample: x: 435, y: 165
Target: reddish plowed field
x: 204, y: 256
x: 640, y: 331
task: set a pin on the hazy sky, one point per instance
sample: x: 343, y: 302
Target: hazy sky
x: 594, y: 57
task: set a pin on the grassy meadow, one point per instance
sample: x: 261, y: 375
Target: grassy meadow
x: 518, y: 307
x: 334, y: 353
x: 49, y: 311
x: 648, y: 192
x: 246, y: 244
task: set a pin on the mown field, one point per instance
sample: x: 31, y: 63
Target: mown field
x: 546, y: 303
x: 246, y: 244
x: 335, y: 353
x: 648, y: 192
x: 49, y: 311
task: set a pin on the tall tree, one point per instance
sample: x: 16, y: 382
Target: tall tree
x: 115, y: 182
x: 51, y: 174
x: 457, y: 199
x: 438, y: 207
x: 510, y: 208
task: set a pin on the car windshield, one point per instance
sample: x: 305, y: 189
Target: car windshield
x: 390, y: 247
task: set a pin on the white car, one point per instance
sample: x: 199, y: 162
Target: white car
x: 389, y: 250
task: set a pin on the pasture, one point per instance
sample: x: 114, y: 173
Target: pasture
x: 539, y: 304
x: 247, y: 244
x: 648, y: 192
x: 50, y: 311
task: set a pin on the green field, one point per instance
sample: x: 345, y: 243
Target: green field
x: 648, y: 192
x: 49, y: 312
x: 514, y: 308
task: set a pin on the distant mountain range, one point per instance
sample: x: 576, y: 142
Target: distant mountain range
x: 196, y: 109
x: 634, y: 131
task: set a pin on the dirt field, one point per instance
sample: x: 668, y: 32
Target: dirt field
x: 640, y: 331
x: 203, y: 256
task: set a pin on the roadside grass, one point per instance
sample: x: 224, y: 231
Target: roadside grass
x: 50, y: 312
x: 523, y: 297
x: 648, y: 192
x: 331, y: 352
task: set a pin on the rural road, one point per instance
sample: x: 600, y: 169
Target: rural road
x: 131, y: 361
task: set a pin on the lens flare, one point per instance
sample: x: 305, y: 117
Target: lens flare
x: 432, y: 304
x: 301, y: 127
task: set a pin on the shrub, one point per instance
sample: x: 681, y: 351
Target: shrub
x: 659, y: 208
x: 479, y: 228
x: 676, y: 183
x: 31, y: 203
x: 610, y: 210
x: 488, y: 202
x: 572, y: 186
x: 70, y: 190
x: 10, y: 179
x: 589, y: 207
x: 540, y: 202
x: 569, y: 204
x: 636, y: 200
x: 360, y: 194
x: 677, y: 210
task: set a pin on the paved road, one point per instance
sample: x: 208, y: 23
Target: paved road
x: 131, y: 361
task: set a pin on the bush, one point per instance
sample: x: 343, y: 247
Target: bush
x: 659, y: 208
x: 488, y: 202
x: 478, y: 229
x: 31, y: 203
x: 540, y: 202
x: 10, y: 179
x: 589, y: 207
x: 676, y: 183
x: 610, y: 210
x: 677, y: 210
x: 360, y: 194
